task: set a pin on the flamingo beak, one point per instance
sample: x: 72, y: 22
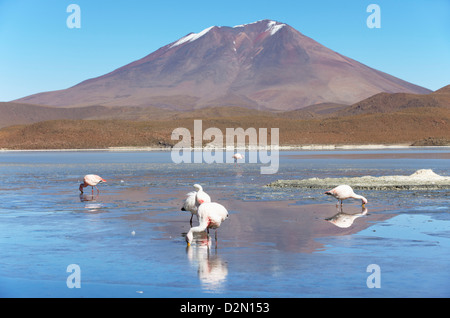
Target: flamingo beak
x: 188, y: 244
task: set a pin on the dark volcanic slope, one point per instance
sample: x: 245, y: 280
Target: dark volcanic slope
x: 265, y: 64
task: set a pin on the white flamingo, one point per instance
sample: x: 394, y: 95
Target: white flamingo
x: 194, y: 199
x: 211, y: 215
x: 344, y: 192
x: 91, y: 180
x: 237, y: 156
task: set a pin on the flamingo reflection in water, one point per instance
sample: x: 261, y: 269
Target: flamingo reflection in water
x: 345, y: 220
x: 90, y: 202
x: 212, y: 270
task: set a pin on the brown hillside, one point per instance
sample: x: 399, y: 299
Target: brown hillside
x: 386, y: 103
x: 406, y: 126
x: 19, y: 113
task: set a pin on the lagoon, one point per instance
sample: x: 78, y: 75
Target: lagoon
x: 129, y: 240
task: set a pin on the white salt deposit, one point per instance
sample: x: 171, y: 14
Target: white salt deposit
x: 419, y: 180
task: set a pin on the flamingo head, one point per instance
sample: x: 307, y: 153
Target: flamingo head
x: 198, y: 187
x: 189, y: 238
x: 364, y: 201
x: 81, y: 187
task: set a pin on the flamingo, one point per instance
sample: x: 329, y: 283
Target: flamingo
x: 237, y: 156
x: 211, y: 215
x: 91, y: 180
x: 343, y: 192
x: 194, y: 199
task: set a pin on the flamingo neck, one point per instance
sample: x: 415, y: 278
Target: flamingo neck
x: 360, y: 197
x: 199, y: 228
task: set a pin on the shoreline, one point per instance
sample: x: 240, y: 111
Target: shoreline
x: 252, y: 148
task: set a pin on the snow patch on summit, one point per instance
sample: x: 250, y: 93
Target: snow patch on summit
x: 191, y: 37
x: 274, y: 27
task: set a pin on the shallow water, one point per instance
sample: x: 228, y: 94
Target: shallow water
x: 129, y: 240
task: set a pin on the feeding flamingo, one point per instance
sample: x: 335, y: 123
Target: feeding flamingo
x: 211, y: 215
x: 194, y: 199
x: 343, y: 192
x: 91, y: 180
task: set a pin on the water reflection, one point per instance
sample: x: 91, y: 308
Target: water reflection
x: 88, y: 197
x: 345, y: 220
x: 91, y: 202
x: 212, y: 270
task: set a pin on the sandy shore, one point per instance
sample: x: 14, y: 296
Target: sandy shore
x: 255, y: 148
x: 373, y: 155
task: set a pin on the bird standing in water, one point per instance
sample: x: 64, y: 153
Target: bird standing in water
x: 237, y: 156
x: 211, y: 215
x: 194, y: 199
x: 91, y: 180
x: 344, y: 192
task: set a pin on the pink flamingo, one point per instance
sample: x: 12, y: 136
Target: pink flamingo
x: 343, y: 192
x: 194, y: 199
x: 91, y: 180
x: 211, y: 215
x: 237, y: 156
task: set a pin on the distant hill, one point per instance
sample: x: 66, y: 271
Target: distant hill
x: 322, y: 110
x: 21, y: 113
x: 266, y: 65
x: 383, y: 118
x: 386, y: 103
x: 418, y: 126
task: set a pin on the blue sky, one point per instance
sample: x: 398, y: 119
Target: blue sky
x: 38, y: 52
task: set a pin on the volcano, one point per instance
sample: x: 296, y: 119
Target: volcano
x: 263, y: 65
